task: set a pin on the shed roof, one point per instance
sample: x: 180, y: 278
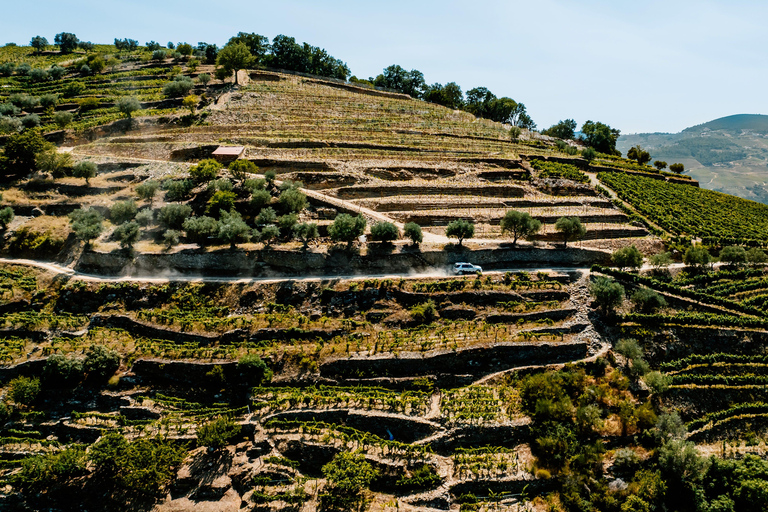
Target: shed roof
x: 229, y: 151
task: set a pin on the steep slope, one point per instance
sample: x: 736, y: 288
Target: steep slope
x: 729, y: 154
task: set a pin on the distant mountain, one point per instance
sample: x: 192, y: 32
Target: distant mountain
x: 729, y: 154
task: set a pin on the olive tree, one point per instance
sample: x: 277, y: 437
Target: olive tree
x: 305, y: 232
x: 571, y: 229
x: 86, y: 224
x: 233, y: 58
x: 608, y: 294
x: 127, y: 234
x: 384, y: 232
x: 519, y: 225
x: 84, y: 169
x: 233, y: 229
x: 128, y: 105
x: 627, y: 257
x: 412, y: 231
x: 346, y: 228
x: 460, y: 229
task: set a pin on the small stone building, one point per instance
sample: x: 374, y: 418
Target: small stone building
x: 227, y: 154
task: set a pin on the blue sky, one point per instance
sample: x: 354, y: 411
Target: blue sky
x: 639, y: 66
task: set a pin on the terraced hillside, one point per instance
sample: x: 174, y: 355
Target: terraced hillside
x: 175, y: 355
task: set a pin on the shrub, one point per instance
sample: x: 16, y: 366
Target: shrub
x: 269, y: 234
x: 178, y: 87
x: 177, y: 190
x: 159, y: 55
x: 239, y: 169
x: 128, y: 105
x: 270, y: 176
x: 44, y: 472
x: 460, y: 229
x: 266, y: 216
x: 384, y: 232
x: 424, y: 313
x: 21, y: 150
x: 413, y: 231
x: 101, y: 363
x: 205, y: 171
x: 6, y: 217
x: 647, y: 300
x: 756, y: 256
x: 254, y: 370
x: 608, y: 293
x: 147, y: 190
x: 348, y: 474
x: 63, y: 371
x: 62, y: 119
x: 57, y: 164
x: 86, y: 224
x: 24, y: 390
x: 8, y: 109
x: 145, y: 217
x: 662, y: 259
x: 627, y: 257
x: 84, y: 169
x: 218, y: 433
x: 24, y: 101
x: 260, y: 199
x: 232, y: 229
x: 657, y: 382
x: 220, y: 201
x: 252, y: 185
x: 171, y: 238
x: 127, y: 234
x: 172, y: 216
x: 73, y: 89
x: 201, y: 229
x: 9, y: 125
x: 346, y: 228
x: 222, y: 184
x: 30, y: 121
x: 733, y: 255
x: 696, y: 256
x: 57, y: 72
x: 293, y: 200
x: 123, y: 211
x: 626, y: 462
x: 203, y: 78
x: 629, y: 348
x: 49, y: 100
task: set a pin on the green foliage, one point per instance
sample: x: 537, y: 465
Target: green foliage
x: 24, y: 390
x: 639, y: 154
x: 260, y: 198
x: 127, y: 234
x: 20, y: 151
x: 657, y: 382
x: 205, y: 171
x: 218, y: 433
x: 147, y: 190
x: 123, y: 211
x: 240, y: 169
x: 269, y: 234
x: 696, y: 256
x: 144, y: 467
x: 100, y: 363
x: 201, y: 229
x: 232, y: 228
x: 270, y: 176
x: 662, y: 259
x: 127, y: 105
x: 677, y: 168
x: 45, y: 472
x: 346, y: 228
x: 558, y: 171
x: 84, y: 169
x: 424, y: 313
x: 562, y: 130
x: 306, y: 231
x: 63, y: 371
x: 86, y: 224
x: 173, y: 215
x: 266, y: 216
x: 588, y: 154
x: 234, y: 57
x: 660, y: 164
x: 600, y: 137
x: 286, y: 223
x: 460, y: 229
x: 756, y: 256
x: 384, y: 232
x: 254, y: 370
x: 293, y: 200
x: 6, y: 217
x: 571, y: 229
x: 178, y: 87
x: 627, y: 257
x: 412, y: 231
x: 55, y: 163
x: 145, y: 217
x: 221, y: 201
x: 348, y: 474
x: 177, y: 190
x: 62, y: 119
x: 733, y: 255
x: 608, y: 294
x: 520, y: 225
x: 679, y: 460
x: 253, y: 185
x: 647, y: 300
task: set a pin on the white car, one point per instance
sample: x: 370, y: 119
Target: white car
x: 466, y: 268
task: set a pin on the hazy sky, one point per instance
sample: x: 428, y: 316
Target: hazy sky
x: 640, y: 66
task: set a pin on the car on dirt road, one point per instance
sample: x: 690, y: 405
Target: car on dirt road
x: 462, y: 268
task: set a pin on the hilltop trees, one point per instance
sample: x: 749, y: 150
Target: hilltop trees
x: 449, y: 95
x: 562, y: 130
x: 639, y: 154
x: 398, y: 79
x: 677, y: 168
x: 660, y: 164
x: 257, y: 45
x: 233, y: 58
x: 601, y: 137
x: 39, y: 43
x: 66, y: 42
